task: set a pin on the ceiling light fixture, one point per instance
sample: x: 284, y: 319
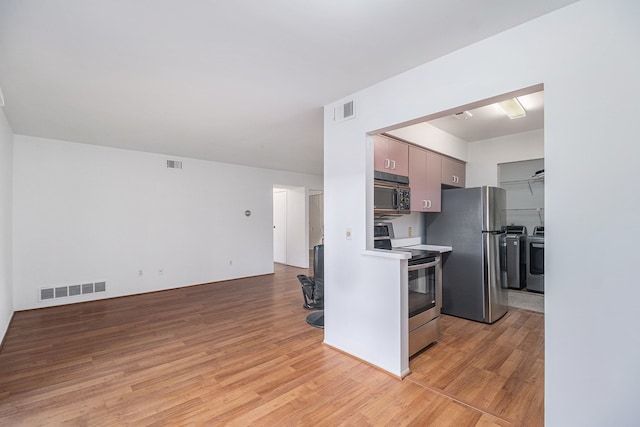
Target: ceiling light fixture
x: 512, y: 108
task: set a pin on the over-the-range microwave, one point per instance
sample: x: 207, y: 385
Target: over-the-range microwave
x: 391, y: 198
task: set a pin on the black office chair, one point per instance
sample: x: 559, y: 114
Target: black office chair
x: 313, y: 289
x: 309, y: 293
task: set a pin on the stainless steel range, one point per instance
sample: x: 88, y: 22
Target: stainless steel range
x: 425, y: 289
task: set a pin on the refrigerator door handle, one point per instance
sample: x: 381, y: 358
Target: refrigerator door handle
x: 495, y: 294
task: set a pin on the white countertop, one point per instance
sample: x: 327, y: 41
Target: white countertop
x: 414, y: 243
x: 437, y: 248
x: 411, y: 243
x: 385, y: 253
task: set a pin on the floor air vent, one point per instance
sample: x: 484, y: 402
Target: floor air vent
x: 55, y: 292
x: 174, y: 164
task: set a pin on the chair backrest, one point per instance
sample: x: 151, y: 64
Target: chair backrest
x: 318, y: 262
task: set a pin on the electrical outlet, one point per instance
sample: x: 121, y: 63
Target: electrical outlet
x: 139, y: 272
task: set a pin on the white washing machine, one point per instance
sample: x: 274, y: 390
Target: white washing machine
x: 535, y: 260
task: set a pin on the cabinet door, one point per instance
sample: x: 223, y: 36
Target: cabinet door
x: 399, y: 156
x: 380, y: 154
x: 453, y: 172
x: 434, y: 175
x: 390, y: 155
x: 424, y: 180
x: 418, y: 178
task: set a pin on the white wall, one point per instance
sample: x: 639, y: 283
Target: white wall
x: 585, y: 55
x: 434, y: 139
x: 6, y: 201
x: 87, y: 213
x: 485, y: 155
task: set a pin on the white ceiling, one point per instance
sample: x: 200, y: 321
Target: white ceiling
x: 490, y: 121
x: 235, y: 81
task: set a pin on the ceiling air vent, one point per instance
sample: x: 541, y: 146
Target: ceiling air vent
x: 344, y: 112
x: 174, y: 164
x: 463, y: 115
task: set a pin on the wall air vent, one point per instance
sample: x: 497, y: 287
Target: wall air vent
x: 174, y: 164
x: 62, y: 291
x: 46, y: 293
x: 347, y: 110
x: 344, y: 111
x: 55, y: 292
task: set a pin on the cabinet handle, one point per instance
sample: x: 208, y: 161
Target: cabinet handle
x: 424, y: 204
x: 394, y: 164
x: 428, y: 204
x: 387, y: 163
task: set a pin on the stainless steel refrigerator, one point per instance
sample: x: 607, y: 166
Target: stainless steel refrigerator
x: 471, y: 220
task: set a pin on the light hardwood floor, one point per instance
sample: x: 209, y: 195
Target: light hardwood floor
x: 240, y: 353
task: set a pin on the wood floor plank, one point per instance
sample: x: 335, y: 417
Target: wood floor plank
x: 241, y: 353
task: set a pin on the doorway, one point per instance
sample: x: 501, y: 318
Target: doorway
x: 290, y: 226
x: 279, y: 226
x: 316, y: 218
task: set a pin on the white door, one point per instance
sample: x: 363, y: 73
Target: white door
x: 280, y: 227
x: 316, y: 220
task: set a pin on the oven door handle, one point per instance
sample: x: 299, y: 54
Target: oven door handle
x: 425, y: 265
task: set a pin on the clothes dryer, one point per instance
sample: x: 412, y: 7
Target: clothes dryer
x: 514, y: 256
x: 535, y: 260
